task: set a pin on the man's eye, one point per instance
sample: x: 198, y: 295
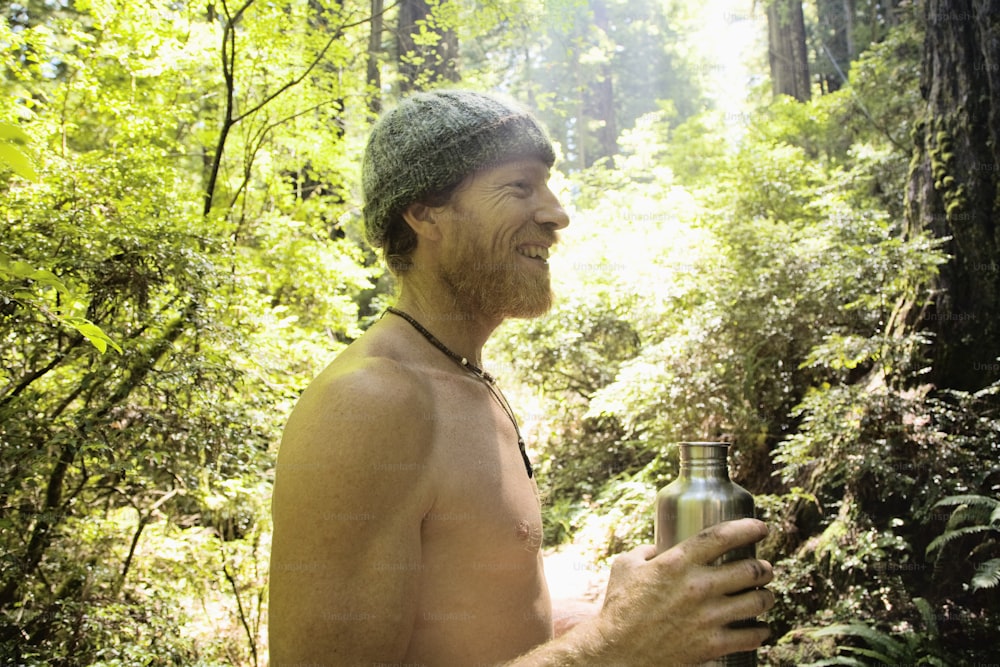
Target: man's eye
x: 521, y: 185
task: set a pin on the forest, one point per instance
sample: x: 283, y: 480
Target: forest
x: 784, y: 235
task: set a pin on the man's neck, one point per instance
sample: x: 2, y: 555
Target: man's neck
x: 461, y: 329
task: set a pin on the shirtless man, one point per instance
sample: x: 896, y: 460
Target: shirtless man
x: 407, y: 527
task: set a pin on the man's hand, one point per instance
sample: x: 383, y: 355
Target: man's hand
x: 676, y: 608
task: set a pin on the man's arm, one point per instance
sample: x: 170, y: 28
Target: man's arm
x: 673, y: 608
x: 349, y: 497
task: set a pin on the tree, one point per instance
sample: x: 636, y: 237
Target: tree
x: 954, y: 188
x: 373, y: 66
x: 836, y: 40
x: 595, y: 67
x: 134, y: 480
x: 787, y: 55
x: 426, y: 45
x: 603, y: 91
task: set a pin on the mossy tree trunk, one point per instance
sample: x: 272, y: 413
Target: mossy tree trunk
x: 954, y: 187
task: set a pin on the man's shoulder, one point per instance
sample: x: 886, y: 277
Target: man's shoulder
x: 361, y: 399
x: 367, y: 376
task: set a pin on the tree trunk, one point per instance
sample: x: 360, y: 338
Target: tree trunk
x: 787, y: 55
x: 954, y: 187
x: 423, y: 65
x: 835, y: 42
x: 604, y: 92
x: 374, y: 73
x: 580, y: 125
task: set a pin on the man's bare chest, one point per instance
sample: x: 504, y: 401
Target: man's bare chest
x: 485, y: 500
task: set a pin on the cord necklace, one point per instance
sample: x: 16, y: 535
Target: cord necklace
x: 488, y: 379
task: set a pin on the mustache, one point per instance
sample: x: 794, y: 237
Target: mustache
x: 546, y: 239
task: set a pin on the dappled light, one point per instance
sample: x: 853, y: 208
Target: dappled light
x: 807, y: 273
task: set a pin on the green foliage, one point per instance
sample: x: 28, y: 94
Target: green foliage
x: 133, y: 486
x: 977, y: 516
x: 23, y: 285
x: 26, y: 290
x: 13, y: 155
x: 178, y: 184
x: 905, y: 648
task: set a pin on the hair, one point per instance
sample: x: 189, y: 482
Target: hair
x: 400, y: 239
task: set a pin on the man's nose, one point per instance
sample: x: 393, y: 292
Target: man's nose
x: 551, y: 211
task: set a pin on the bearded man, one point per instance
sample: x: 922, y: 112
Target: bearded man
x: 406, y: 516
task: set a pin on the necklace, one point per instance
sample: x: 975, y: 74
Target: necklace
x: 488, y: 379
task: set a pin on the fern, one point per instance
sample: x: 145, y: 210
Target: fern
x: 880, y: 657
x: 839, y: 660
x: 883, y: 643
x: 984, y: 501
x: 954, y: 534
x: 928, y: 616
x: 984, y: 514
x: 916, y: 648
x: 987, y: 575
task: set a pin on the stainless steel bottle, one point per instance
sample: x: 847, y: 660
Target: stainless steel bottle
x: 703, y: 495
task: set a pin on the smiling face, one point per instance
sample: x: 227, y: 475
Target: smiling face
x: 497, y: 230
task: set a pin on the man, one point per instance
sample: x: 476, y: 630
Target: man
x: 406, y: 518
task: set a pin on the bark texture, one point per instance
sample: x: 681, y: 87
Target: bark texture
x: 954, y: 187
x: 787, y: 55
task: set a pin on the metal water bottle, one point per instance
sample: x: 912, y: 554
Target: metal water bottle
x: 703, y: 495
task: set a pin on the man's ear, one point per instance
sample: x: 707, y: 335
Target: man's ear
x: 422, y: 219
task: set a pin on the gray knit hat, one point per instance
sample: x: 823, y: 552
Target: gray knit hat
x: 432, y: 141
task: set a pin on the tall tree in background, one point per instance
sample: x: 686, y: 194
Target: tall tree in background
x: 836, y: 40
x: 603, y: 90
x: 374, y: 71
x: 787, y: 55
x: 598, y: 65
x: 954, y: 186
x: 427, y: 51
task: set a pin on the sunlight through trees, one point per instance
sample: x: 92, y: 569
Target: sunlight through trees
x: 784, y: 235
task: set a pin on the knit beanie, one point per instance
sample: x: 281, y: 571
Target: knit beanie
x: 433, y: 140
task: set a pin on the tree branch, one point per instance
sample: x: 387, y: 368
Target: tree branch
x: 230, y: 118
x: 239, y: 606
x: 26, y: 381
x: 143, y: 521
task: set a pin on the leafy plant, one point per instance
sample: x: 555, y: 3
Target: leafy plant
x: 23, y: 285
x: 910, y: 647
x: 13, y: 153
x: 974, y: 515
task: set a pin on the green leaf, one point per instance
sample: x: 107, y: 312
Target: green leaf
x: 932, y: 660
x: 9, y: 132
x: 987, y: 575
x: 928, y: 615
x: 983, y: 501
x: 874, y: 637
x: 92, y: 333
x: 870, y: 653
x: 944, y: 538
x: 839, y: 660
x: 45, y: 277
x: 18, y: 270
x: 18, y: 161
